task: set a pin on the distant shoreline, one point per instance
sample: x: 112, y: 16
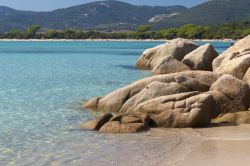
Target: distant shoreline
x: 128, y: 40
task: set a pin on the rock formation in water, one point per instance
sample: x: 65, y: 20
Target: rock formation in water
x: 166, y: 58
x: 192, y: 86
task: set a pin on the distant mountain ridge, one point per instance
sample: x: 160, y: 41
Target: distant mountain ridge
x: 210, y: 13
x: 116, y: 15
x: 102, y: 14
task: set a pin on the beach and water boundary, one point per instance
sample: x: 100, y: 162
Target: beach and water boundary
x: 40, y: 111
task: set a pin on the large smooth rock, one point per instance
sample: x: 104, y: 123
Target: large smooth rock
x: 134, y: 117
x: 146, y: 57
x: 162, y: 103
x: 235, y: 89
x: 97, y: 123
x: 236, y: 66
x: 239, y: 47
x: 114, y: 101
x: 176, y: 48
x: 247, y: 77
x: 224, y: 104
x: 153, y: 90
x: 237, y: 117
x: 168, y: 65
x: 118, y: 127
x: 201, y: 58
x: 192, y: 84
x: 192, y: 111
x: 231, y: 87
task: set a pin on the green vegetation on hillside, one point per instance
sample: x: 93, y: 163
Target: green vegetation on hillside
x: 113, y: 15
x: 108, y: 15
x: 235, y: 30
x: 212, y: 12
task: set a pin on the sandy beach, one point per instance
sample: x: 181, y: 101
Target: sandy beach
x: 218, y: 146
x: 105, y: 40
x: 215, y: 145
x: 228, y: 145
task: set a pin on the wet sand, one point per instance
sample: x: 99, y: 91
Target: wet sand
x: 212, y: 146
x: 228, y: 145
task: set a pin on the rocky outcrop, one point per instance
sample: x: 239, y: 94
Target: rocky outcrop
x: 97, y: 123
x: 121, y: 123
x: 93, y: 103
x: 237, y: 65
x: 236, y: 118
x: 180, y: 110
x: 201, y: 58
x: 118, y: 127
x: 153, y: 90
x: 192, y: 111
x: 168, y: 65
x: 176, y: 56
x: 233, y: 88
x: 230, y: 95
x: 114, y: 101
x: 160, y: 58
x: 235, y: 60
x: 247, y: 77
x: 180, y: 99
x: 241, y: 46
x: 223, y: 104
x: 147, y: 55
x: 191, y: 83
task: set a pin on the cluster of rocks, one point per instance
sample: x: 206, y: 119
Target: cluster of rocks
x: 176, y: 56
x: 192, y: 85
x: 120, y: 123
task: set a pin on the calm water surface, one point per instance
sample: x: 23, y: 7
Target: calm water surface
x: 41, y: 87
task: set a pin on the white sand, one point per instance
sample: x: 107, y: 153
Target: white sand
x: 129, y: 40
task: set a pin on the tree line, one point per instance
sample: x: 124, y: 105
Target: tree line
x: 235, y: 30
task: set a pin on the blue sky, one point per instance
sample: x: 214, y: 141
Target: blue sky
x: 45, y: 5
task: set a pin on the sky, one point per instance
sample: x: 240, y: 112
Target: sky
x: 48, y: 5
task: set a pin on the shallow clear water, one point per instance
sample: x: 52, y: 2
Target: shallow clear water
x: 41, y: 87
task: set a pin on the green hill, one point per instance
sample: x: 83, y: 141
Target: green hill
x: 102, y: 14
x: 210, y: 13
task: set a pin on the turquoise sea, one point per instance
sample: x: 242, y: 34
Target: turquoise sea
x: 41, y: 87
